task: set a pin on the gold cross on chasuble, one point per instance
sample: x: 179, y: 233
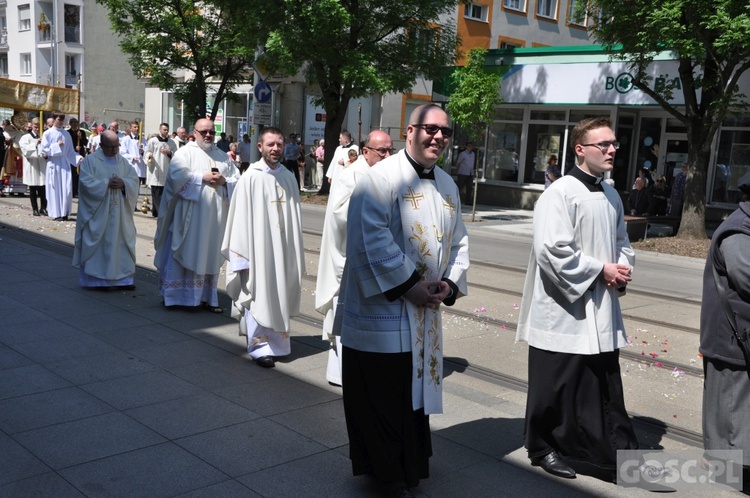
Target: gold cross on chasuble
x: 450, y: 205
x: 280, y: 192
x: 414, y: 198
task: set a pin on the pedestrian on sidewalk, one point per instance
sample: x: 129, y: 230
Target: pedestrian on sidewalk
x: 465, y: 173
x: 263, y: 244
x: 105, y: 231
x: 725, y: 325
x: 407, y: 251
x: 570, y: 314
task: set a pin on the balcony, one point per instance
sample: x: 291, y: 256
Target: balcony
x: 44, y: 36
x: 4, y: 39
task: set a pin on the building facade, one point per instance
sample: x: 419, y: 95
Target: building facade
x: 69, y: 43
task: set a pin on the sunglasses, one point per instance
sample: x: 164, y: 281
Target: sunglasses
x: 207, y: 132
x: 432, y: 129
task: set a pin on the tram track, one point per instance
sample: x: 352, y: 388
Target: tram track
x: 465, y: 367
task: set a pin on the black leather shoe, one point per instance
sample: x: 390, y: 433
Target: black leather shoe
x: 553, y: 464
x: 266, y: 362
x: 43, y: 212
x: 36, y: 212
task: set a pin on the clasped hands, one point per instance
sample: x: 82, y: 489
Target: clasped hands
x: 617, y: 275
x: 116, y: 183
x: 428, y: 293
x: 214, y: 178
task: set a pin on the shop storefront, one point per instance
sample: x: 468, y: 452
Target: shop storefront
x: 546, y: 91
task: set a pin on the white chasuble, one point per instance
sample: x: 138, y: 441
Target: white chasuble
x: 263, y: 244
x: 105, y: 231
x: 193, y: 215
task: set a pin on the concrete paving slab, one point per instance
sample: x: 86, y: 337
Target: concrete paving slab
x: 50, y: 484
x: 148, y: 335
x: 12, y: 359
x: 276, y: 395
x: 140, y: 390
x: 249, y: 447
x: 177, y: 354
x: 31, y: 330
x: 324, y: 423
x: 191, y: 415
x: 226, y: 489
x: 17, y: 462
x: 31, y: 412
x: 29, y: 379
x: 99, y: 368
x: 161, y: 470
x: 215, y: 376
x: 72, y: 443
x: 73, y: 347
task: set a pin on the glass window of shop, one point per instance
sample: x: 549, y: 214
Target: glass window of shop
x: 171, y: 111
x: 732, y: 162
x: 503, y: 145
x: 544, y: 139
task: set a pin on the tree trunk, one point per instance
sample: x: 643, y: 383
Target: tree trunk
x: 693, y: 224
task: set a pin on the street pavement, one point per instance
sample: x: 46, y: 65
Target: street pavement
x: 112, y: 394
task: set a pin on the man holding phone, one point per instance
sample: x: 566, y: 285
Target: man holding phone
x: 192, y: 217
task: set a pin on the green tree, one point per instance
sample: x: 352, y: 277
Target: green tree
x: 477, y: 93
x: 351, y: 49
x: 711, y: 40
x: 191, y: 47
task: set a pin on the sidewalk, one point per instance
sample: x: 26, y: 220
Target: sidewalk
x: 112, y: 394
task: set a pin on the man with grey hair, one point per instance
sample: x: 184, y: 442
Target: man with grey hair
x: 192, y: 218
x: 108, y: 189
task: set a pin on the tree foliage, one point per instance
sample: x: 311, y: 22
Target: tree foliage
x: 477, y: 92
x: 711, y: 40
x: 351, y: 49
x: 190, y: 47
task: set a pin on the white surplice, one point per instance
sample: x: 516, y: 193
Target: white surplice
x: 130, y: 148
x: 341, y: 153
x: 575, y: 232
x: 191, y: 223
x: 58, y: 179
x: 332, y: 259
x: 34, y: 166
x: 263, y: 244
x: 157, y: 163
x: 105, y: 230
x: 398, y: 224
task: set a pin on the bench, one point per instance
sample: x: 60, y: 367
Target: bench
x: 671, y: 221
x: 637, y: 227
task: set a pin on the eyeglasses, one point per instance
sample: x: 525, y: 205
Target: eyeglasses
x: 382, y: 151
x: 604, y: 146
x: 210, y: 131
x: 432, y: 129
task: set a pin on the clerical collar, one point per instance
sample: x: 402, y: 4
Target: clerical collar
x: 165, y: 139
x: 593, y: 183
x: 422, y: 172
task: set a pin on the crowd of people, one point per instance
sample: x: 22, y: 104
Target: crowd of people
x: 394, y: 250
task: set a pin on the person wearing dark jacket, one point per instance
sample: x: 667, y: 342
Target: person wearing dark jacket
x: 726, y: 306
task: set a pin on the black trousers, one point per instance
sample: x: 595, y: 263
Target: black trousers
x: 156, y: 200
x: 465, y: 188
x: 387, y: 437
x: 38, y: 192
x: 291, y: 165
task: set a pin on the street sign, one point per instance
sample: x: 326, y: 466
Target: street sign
x: 262, y: 92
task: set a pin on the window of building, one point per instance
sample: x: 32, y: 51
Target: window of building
x: 72, y: 16
x: 575, y: 17
x: 519, y: 5
x: 3, y: 65
x: 732, y: 162
x: 543, y: 141
x: 24, y: 18
x: 26, y: 64
x: 546, y: 8
x: 505, y: 42
x: 476, y: 11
